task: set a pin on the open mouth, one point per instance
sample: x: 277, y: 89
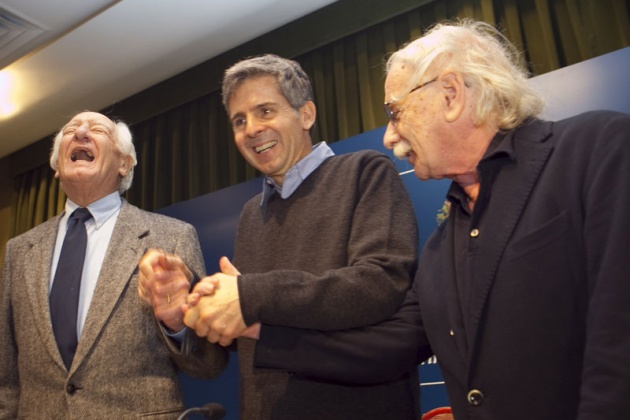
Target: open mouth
x: 402, y: 149
x: 82, y: 154
x: 265, y: 147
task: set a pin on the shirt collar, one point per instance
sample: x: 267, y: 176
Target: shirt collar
x: 101, y: 210
x: 297, y: 173
x: 501, y: 146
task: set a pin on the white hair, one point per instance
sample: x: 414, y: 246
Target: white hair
x: 488, y: 62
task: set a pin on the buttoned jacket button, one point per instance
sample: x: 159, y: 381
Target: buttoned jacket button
x: 71, y: 389
x: 474, y: 397
x: 474, y: 233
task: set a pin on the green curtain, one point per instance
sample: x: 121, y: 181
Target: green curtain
x: 184, y: 153
x: 38, y: 198
x: 188, y: 151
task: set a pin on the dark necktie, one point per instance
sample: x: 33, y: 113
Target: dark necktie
x: 64, y: 296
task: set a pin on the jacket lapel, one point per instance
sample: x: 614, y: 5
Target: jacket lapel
x: 40, y: 252
x: 123, y: 254
x: 513, y: 187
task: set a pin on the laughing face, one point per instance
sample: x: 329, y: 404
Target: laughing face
x: 89, y: 163
x: 269, y: 133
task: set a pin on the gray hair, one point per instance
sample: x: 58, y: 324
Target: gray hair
x: 292, y: 81
x: 489, y: 63
x: 124, y: 143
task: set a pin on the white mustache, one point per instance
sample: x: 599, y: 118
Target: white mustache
x: 402, y: 149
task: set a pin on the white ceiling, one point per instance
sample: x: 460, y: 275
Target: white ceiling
x: 64, y: 56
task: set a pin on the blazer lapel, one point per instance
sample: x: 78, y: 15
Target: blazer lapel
x: 513, y: 185
x: 40, y: 252
x: 120, y: 263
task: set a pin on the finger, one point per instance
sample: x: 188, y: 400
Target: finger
x: 160, y: 262
x: 142, y: 292
x: 202, y: 329
x: 148, y: 261
x: 143, y: 296
x: 145, y: 292
x: 149, y: 256
x: 225, y: 341
x: 190, y: 317
x: 193, y: 299
x: 175, y: 263
x: 227, y: 268
x: 213, y: 336
x: 207, y: 282
x: 205, y: 288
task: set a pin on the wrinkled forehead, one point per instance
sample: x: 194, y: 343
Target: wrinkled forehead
x: 254, y: 91
x: 91, y: 118
x: 398, y: 79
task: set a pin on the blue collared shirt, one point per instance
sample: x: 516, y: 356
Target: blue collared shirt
x: 297, y: 173
x: 99, y: 232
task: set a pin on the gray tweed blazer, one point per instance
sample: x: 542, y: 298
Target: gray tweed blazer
x: 122, y: 368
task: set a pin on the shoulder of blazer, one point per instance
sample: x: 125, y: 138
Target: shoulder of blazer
x: 38, y: 233
x: 534, y: 130
x: 142, y: 219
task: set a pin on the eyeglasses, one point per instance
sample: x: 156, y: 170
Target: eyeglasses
x: 393, y: 114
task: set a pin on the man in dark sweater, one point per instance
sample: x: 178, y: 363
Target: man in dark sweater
x: 330, y: 244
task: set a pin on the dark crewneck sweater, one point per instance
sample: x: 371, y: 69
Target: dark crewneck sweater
x: 338, y: 253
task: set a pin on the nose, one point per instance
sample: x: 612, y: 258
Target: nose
x: 81, y: 132
x: 254, y: 127
x: 391, y: 137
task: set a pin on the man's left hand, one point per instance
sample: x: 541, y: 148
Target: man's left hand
x: 163, y: 282
x: 218, y: 317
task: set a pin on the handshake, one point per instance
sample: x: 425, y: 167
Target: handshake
x: 212, y: 309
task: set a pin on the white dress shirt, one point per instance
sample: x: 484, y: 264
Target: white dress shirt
x: 99, y: 232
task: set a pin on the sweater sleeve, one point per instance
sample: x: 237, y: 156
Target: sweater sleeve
x: 370, y: 355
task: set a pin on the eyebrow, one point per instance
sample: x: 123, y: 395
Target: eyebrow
x: 91, y: 123
x: 256, y: 107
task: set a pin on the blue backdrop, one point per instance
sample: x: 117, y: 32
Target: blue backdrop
x: 600, y: 83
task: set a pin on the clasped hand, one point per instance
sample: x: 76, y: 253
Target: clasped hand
x: 213, y: 309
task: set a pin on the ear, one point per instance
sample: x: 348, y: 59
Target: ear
x: 57, y: 174
x: 308, y: 112
x: 454, y: 91
x: 125, y: 166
